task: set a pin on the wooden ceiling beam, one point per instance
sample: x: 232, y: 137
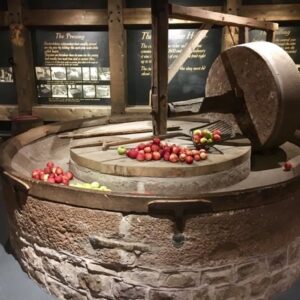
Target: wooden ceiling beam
x: 272, y: 12
x: 204, y: 16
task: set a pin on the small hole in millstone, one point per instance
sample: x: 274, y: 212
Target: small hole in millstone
x: 178, y: 240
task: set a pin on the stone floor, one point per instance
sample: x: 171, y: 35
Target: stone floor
x: 15, y: 284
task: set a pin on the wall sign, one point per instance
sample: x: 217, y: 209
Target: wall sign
x: 7, y: 86
x: 72, y: 67
x: 287, y: 38
x: 189, y: 82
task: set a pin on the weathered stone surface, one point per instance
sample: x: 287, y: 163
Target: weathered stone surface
x: 232, y: 292
x: 203, y: 293
x: 294, y: 252
x: 259, y: 286
x: 32, y: 259
x: 169, y: 294
x: 122, y: 290
x: 179, y: 280
x: 217, y: 275
x: 249, y: 270
x: 141, y: 277
x: 98, y: 285
x: 97, y: 269
x: 50, y: 253
x: 280, y: 281
x: 278, y: 260
x: 63, y: 292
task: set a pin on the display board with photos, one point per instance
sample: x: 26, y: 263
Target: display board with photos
x: 7, y: 85
x: 287, y: 37
x: 72, y: 67
x: 190, y: 80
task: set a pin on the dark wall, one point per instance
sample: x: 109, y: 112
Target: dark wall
x: 65, y: 4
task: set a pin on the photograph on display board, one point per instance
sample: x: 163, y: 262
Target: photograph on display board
x: 58, y: 73
x: 6, y: 75
x: 74, y: 73
x: 102, y: 91
x: 44, y: 90
x: 104, y: 74
x: 59, y: 91
x: 89, y: 91
x: 75, y: 91
x: 43, y: 73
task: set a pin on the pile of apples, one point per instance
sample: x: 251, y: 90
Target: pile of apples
x: 157, y: 150
x: 95, y: 185
x: 52, y: 174
x: 204, y: 138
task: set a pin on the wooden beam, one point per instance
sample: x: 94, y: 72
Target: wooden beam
x: 244, y: 35
x: 198, y: 14
x: 187, y: 51
x: 142, y: 16
x: 272, y: 12
x: 159, y: 83
x: 22, y: 58
x: 270, y: 36
x: 65, y: 17
x: 117, y: 57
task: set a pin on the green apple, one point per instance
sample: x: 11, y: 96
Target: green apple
x: 197, y: 131
x: 203, y: 140
x: 121, y: 150
x: 95, y: 185
x: 209, y: 141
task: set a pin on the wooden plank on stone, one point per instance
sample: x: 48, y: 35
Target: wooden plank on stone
x: 65, y: 17
x: 159, y: 89
x: 117, y: 56
x: 272, y: 12
x: 187, y: 51
x: 198, y: 14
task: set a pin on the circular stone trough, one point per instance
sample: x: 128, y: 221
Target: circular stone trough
x: 234, y: 241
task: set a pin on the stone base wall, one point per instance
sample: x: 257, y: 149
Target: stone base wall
x: 73, y: 277
x: 79, y: 253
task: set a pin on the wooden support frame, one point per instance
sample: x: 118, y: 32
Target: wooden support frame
x: 22, y: 59
x: 159, y: 83
x: 187, y: 51
x: 117, y: 56
x: 198, y: 14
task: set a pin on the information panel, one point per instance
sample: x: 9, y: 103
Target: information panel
x: 287, y: 38
x: 72, y: 67
x: 190, y: 80
x: 7, y: 86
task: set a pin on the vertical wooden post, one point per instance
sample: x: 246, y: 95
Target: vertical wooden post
x: 159, y: 84
x: 117, y: 56
x: 22, y: 59
x: 270, y: 36
x: 230, y: 7
x: 243, y: 35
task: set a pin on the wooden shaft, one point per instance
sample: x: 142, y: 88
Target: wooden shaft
x: 159, y: 86
x: 117, y: 55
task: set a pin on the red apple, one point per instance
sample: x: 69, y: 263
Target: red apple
x: 194, y: 152
x: 156, y: 155
x: 155, y: 148
x: 167, y: 156
x: 216, y: 131
x: 287, y: 166
x: 167, y: 149
x: 182, y: 157
x: 156, y: 141
x: 132, y: 153
x: 47, y: 170
x: 51, y: 175
x: 65, y: 180
x: 50, y: 164
x: 41, y: 174
x: 173, y: 158
x: 175, y: 149
x: 69, y: 175
x: 197, y: 157
x: 36, y: 174
x: 141, y: 146
x: 147, y: 149
x: 188, y: 152
x: 59, y: 171
x: 53, y: 170
x: 202, y: 150
x: 189, y: 159
x: 148, y: 156
x: 58, y: 179
x: 51, y: 180
x: 203, y: 155
x: 216, y: 138
x: 140, y: 156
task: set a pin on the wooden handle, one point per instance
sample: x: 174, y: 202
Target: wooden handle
x: 110, y: 133
x: 141, y: 139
